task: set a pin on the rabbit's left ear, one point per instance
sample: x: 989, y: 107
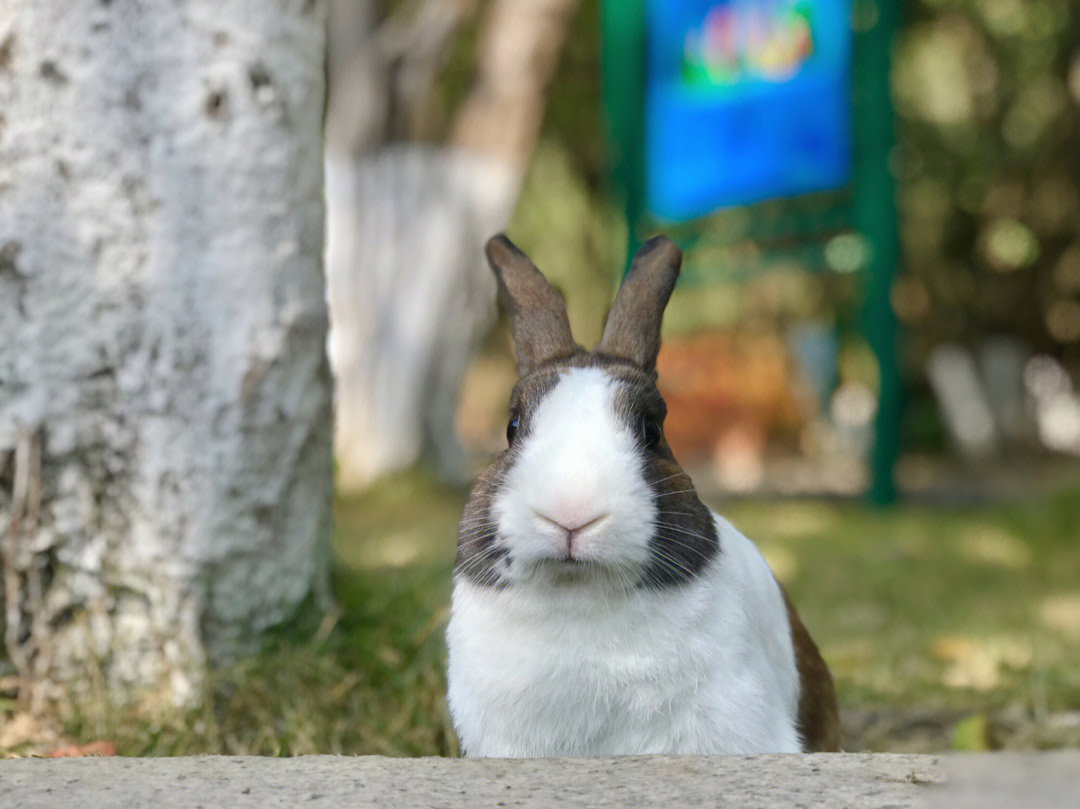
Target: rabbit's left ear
x: 632, y: 330
x: 538, y: 320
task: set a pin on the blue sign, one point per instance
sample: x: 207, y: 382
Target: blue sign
x: 745, y: 100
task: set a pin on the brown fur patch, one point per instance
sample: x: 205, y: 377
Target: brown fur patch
x: 478, y: 557
x: 685, y: 538
x: 819, y: 720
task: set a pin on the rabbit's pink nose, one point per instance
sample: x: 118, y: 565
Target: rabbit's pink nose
x: 571, y: 522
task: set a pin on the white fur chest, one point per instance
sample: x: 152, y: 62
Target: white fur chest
x: 702, y: 668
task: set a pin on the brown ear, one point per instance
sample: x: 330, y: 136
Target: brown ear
x: 632, y: 330
x: 538, y: 318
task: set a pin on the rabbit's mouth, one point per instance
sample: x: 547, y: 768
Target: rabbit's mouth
x: 569, y: 571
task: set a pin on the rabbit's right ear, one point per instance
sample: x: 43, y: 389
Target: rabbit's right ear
x: 538, y: 320
x: 632, y: 330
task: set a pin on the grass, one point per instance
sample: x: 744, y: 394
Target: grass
x: 962, y: 611
x: 968, y: 609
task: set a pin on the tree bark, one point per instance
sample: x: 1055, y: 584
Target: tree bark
x: 163, y: 320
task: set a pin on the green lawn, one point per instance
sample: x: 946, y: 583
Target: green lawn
x: 966, y: 614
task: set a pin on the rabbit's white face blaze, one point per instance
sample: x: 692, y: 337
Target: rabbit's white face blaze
x: 575, y: 504
x: 588, y: 492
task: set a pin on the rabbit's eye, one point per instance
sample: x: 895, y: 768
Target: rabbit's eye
x: 651, y: 433
x: 511, y: 430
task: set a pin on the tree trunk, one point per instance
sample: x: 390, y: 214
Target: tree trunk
x: 409, y: 291
x: 163, y: 377
x: 519, y: 53
x: 409, y: 297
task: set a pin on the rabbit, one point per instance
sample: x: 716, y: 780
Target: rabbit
x: 598, y: 607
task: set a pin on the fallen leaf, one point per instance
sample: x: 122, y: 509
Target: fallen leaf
x: 971, y: 734
x: 99, y: 747
x: 953, y: 647
x: 978, y: 663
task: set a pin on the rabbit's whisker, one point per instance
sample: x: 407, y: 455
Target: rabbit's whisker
x: 680, y: 473
x: 681, y: 543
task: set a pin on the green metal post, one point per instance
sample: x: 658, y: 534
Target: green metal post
x: 875, y: 214
x: 623, y: 55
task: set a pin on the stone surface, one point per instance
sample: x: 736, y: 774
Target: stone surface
x: 1008, y: 781
x: 162, y: 307
x: 834, y: 781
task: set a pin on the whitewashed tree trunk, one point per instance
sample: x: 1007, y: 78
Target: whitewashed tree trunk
x: 163, y: 332
x: 409, y: 297
x: 408, y: 289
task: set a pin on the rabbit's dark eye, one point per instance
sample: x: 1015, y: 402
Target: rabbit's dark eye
x: 651, y: 433
x: 511, y: 429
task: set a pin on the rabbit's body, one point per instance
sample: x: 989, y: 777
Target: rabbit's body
x: 576, y: 671
x: 599, y: 607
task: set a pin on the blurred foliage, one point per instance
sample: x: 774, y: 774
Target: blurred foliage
x: 987, y: 102
x: 987, y: 97
x: 565, y: 219
x: 574, y: 233
x: 987, y: 94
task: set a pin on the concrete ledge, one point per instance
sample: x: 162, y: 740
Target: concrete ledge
x: 868, y: 781
x: 864, y: 780
x: 1007, y: 781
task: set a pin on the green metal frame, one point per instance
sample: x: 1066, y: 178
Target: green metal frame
x: 868, y: 207
x: 623, y: 64
x: 875, y: 217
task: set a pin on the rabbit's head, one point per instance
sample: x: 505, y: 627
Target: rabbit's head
x: 587, y: 492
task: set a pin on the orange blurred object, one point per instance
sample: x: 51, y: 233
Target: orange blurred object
x: 717, y: 384
x: 100, y: 747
